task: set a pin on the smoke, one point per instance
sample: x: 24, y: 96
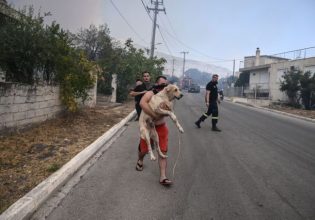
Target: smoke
x: 70, y: 14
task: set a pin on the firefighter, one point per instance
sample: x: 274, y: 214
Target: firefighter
x: 211, y: 99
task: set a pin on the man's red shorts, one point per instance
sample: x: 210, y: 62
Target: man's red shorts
x: 162, y: 131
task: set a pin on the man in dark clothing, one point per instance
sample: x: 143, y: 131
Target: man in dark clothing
x: 140, y: 90
x: 211, y: 99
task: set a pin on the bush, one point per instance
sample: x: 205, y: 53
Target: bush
x: 36, y: 53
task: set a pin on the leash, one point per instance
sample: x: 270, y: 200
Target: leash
x: 179, y: 147
x: 179, y: 144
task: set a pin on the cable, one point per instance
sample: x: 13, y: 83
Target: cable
x: 145, y: 8
x: 169, y: 22
x: 219, y: 60
x: 165, y: 41
x: 121, y: 15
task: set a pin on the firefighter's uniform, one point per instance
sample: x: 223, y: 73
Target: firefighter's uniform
x: 213, y: 106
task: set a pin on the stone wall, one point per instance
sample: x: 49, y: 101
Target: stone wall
x: 255, y: 102
x: 21, y: 105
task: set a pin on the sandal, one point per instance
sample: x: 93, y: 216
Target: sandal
x: 166, y: 182
x: 139, y: 166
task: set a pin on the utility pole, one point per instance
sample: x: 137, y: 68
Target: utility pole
x: 233, y: 68
x: 156, y: 10
x: 173, y: 68
x: 184, y: 52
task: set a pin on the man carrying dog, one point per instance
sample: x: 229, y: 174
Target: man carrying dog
x: 211, y: 99
x: 161, y: 128
x: 140, y: 90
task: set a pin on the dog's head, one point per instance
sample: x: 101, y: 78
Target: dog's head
x: 173, y: 92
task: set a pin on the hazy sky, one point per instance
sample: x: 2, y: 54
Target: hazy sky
x: 209, y: 29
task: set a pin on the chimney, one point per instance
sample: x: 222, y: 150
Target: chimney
x: 257, y: 57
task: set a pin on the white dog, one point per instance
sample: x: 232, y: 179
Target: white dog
x: 160, y: 103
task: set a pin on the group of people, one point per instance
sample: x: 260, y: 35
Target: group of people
x: 143, y: 92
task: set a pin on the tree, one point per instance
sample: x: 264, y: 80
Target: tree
x: 133, y: 62
x: 113, y: 58
x: 307, y: 82
x: 291, y: 85
x: 22, y: 44
x: 35, y: 52
x: 95, y: 41
x: 243, y: 80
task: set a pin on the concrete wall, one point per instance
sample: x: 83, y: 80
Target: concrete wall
x: 22, y: 105
x: 278, y: 69
x: 259, y: 78
x: 262, y: 60
x: 254, y: 102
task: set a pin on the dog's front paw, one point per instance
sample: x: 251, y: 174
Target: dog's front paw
x: 152, y: 157
x: 163, y: 155
x: 181, y: 130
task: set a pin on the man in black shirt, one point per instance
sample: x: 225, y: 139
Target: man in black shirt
x: 140, y: 90
x: 211, y: 99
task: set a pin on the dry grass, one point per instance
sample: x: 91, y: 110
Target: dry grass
x: 29, y: 157
x: 295, y: 111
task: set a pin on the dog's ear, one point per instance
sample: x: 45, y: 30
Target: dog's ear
x: 168, y: 88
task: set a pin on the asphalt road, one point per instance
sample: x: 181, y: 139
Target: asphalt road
x: 261, y: 166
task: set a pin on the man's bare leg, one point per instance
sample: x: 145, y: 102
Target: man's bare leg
x: 141, y: 155
x: 163, y: 165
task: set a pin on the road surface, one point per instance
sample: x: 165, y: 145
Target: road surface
x: 261, y: 166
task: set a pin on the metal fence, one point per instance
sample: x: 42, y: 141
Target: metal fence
x: 254, y: 91
x: 291, y: 55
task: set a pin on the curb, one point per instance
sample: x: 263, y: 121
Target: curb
x: 24, y: 207
x: 287, y: 114
x: 274, y: 111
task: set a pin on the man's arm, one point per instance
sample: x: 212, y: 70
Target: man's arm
x: 207, y: 97
x: 133, y: 93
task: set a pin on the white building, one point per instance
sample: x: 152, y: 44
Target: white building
x: 265, y: 73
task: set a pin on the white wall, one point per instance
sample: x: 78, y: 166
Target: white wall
x: 277, y: 70
x: 24, y: 104
x: 21, y: 105
x: 259, y: 78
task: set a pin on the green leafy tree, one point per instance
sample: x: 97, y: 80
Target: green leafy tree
x: 243, y: 80
x: 33, y: 52
x: 291, y: 85
x: 132, y: 64
x: 307, y: 82
x: 98, y: 46
x: 75, y: 75
x: 113, y: 58
x: 22, y: 44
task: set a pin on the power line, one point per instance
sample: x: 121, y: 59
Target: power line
x: 156, y: 10
x: 182, y: 43
x: 169, y: 22
x: 165, y: 41
x: 146, y: 9
x: 197, y: 51
x: 121, y: 15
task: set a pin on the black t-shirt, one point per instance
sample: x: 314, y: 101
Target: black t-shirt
x: 212, y: 87
x: 141, y: 88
